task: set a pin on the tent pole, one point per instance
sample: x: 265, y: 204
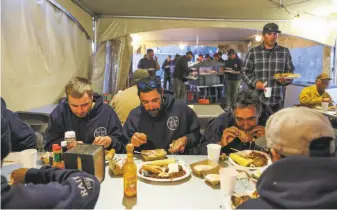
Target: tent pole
x: 195, y: 19
x: 95, y: 19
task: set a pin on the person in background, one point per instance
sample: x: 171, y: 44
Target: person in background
x: 200, y: 58
x: 207, y: 57
x: 84, y: 112
x: 167, y: 72
x: 181, y: 71
x: 303, y: 175
x: 161, y: 122
x: 22, y: 135
x: 263, y: 62
x: 45, y: 188
x: 150, y: 63
x: 239, y: 128
x: 128, y: 99
x: 220, y: 57
x: 233, y: 79
x: 314, y: 95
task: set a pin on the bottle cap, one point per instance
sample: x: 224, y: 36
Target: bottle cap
x: 56, y: 147
x: 70, y: 134
x: 129, y: 148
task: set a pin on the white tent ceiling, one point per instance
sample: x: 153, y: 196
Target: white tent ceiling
x: 318, y: 18
x: 222, y: 9
x: 200, y: 34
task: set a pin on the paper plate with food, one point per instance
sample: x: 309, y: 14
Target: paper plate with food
x: 286, y: 75
x: 249, y: 159
x: 156, y: 154
x: 168, y: 170
x: 239, y: 198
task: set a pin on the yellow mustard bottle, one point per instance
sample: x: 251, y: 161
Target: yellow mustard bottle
x: 130, y: 173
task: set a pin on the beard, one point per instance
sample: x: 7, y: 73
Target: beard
x: 154, y: 112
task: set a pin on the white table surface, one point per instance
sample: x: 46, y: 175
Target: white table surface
x: 207, y: 111
x: 191, y: 193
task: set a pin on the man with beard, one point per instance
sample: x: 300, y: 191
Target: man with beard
x: 239, y: 128
x: 161, y: 122
x: 84, y: 112
x: 303, y: 174
x: 181, y: 71
x: 314, y: 95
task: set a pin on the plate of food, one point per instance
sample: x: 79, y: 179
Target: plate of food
x: 286, y: 75
x: 238, y: 198
x: 156, y: 154
x: 249, y: 159
x: 168, y: 170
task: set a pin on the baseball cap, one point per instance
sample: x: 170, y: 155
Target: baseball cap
x: 271, y: 27
x: 189, y: 53
x: 139, y: 74
x: 290, y: 131
x: 323, y: 76
x: 230, y: 52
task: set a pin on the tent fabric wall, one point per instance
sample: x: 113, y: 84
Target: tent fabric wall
x: 120, y: 61
x: 42, y: 49
x: 81, y: 16
x: 110, y: 28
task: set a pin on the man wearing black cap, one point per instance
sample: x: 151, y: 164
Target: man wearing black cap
x: 233, y: 79
x: 263, y: 62
x: 181, y: 71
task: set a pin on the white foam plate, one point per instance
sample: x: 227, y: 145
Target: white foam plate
x: 185, y: 168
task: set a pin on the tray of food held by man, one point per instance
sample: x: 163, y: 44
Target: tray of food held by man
x: 167, y: 170
x: 249, y: 159
x: 286, y: 76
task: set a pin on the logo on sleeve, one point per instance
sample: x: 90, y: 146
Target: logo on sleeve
x: 173, y: 123
x: 101, y: 131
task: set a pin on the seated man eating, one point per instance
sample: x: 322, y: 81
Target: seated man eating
x: 84, y: 112
x: 303, y: 176
x: 314, y: 95
x: 161, y: 122
x: 236, y: 129
x: 22, y: 135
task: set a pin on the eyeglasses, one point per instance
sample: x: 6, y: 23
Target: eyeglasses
x: 142, y: 85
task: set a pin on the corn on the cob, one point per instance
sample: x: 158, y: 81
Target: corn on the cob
x: 240, y: 160
x: 164, y: 162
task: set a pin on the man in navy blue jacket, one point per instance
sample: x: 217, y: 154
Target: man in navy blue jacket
x: 84, y: 112
x: 46, y: 188
x: 22, y: 136
x: 161, y: 122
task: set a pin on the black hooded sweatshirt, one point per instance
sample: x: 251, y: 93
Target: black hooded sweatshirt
x: 100, y: 121
x: 297, y: 182
x: 22, y: 135
x: 175, y: 120
x: 215, y: 129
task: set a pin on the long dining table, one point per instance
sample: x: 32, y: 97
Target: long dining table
x: 190, y: 193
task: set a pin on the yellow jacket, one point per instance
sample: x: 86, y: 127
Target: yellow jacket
x: 310, y: 96
x: 124, y: 102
